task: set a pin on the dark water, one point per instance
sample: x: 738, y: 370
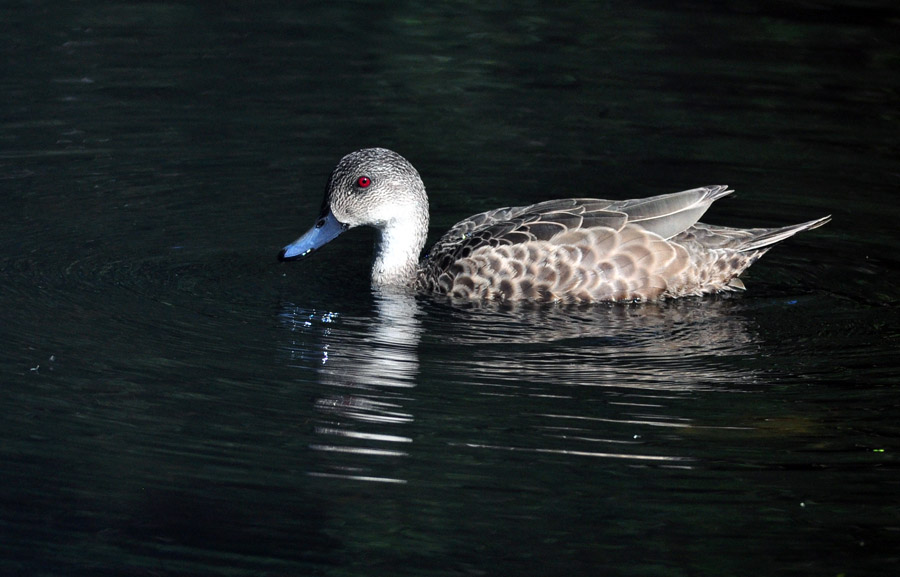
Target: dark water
x: 176, y: 402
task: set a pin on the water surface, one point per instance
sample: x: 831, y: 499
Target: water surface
x: 178, y: 402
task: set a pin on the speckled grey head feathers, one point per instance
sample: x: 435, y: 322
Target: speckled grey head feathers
x: 393, y: 186
x: 570, y: 250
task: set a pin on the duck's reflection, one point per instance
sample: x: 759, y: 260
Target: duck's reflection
x: 670, y: 346
x: 368, y: 368
x: 610, y: 382
x: 600, y: 381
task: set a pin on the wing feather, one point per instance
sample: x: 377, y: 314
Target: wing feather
x: 669, y: 214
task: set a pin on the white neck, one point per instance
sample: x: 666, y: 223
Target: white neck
x: 397, y: 251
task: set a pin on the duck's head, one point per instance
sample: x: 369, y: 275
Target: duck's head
x: 375, y: 187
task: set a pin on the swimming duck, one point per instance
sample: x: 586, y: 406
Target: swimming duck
x: 569, y: 250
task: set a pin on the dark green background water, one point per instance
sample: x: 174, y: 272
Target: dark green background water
x: 176, y: 402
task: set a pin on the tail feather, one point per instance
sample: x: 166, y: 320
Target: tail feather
x: 769, y: 236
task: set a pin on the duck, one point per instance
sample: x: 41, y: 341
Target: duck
x: 571, y: 250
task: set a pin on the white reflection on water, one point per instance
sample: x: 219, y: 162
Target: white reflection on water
x: 367, y: 370
x: 582, y: 453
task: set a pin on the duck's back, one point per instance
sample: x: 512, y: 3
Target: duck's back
x: 584, y: 250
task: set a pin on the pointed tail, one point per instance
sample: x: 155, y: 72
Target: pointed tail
x: 769, y: 236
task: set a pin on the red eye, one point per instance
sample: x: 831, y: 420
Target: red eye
x: 363, y: 181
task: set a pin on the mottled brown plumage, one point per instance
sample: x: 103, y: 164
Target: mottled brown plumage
x: 570, y: 250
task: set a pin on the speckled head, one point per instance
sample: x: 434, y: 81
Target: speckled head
x: 370, y: 186
x: 379, y: 188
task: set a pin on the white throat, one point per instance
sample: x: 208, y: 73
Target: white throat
x: 397, y: 252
